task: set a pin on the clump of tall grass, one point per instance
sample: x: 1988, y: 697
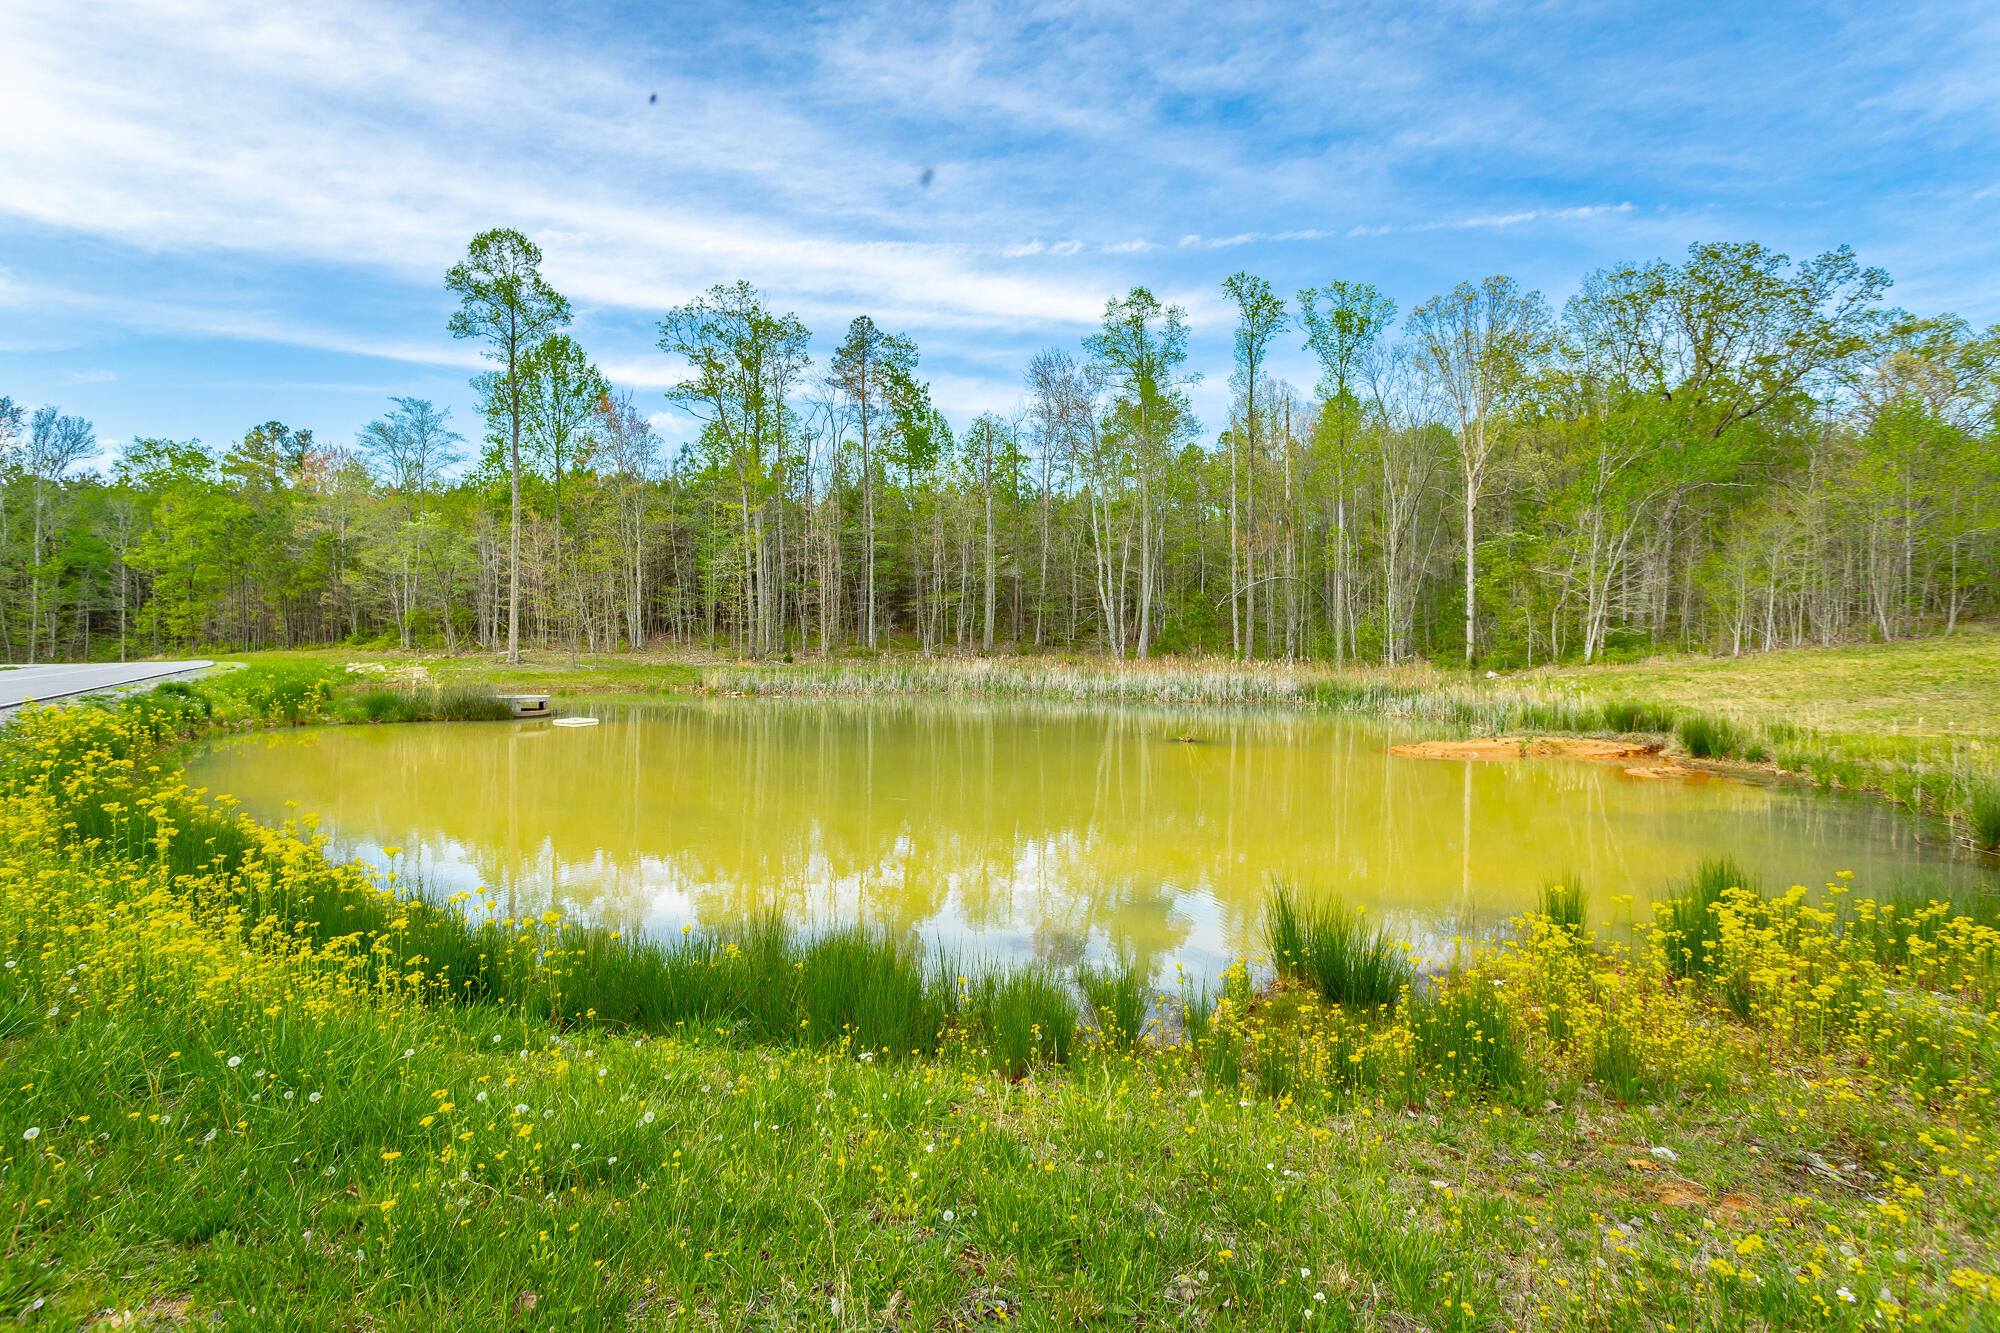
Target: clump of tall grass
x: 380, y: 705
x: 469, y: 703
x: 1020, y: 1018
x: 1197, y: 1010
x: 1982, y: 813
x: 1329, y: 947
x: 1564, y: 904
x: 1708, y: 737
x: 1619, y: 1066
x: 1121, y: 998
x: 1633, y: 716
x: 448, y: 703
x: 1689, y: 930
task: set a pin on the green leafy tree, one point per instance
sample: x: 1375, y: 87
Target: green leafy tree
x: 506, y: 303
x: 1140, y: 352
x: 1260, y: 314
x: 743, y: 361
x: 410, y: 447
x: 868, y: 368
x: 1481, y: 345
x: 56, y: 443
x: 1344, y: 323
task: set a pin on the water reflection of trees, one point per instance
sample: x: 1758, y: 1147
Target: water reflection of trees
x: 1054, y: 830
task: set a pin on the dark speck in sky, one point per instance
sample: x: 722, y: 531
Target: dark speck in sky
x: 926, y: 177
x: 650, y: 100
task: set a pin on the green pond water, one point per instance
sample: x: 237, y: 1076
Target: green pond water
x: 1015, y: 830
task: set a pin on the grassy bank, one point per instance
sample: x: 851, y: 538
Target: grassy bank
x: 251, y: 1089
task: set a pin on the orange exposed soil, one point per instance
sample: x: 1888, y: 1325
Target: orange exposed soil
x: 1517, y: 747
x: 1650, y: 762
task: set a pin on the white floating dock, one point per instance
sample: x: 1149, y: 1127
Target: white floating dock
x: 576, y: 722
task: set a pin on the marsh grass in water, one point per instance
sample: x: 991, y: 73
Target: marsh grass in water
x: 1690, y: 921
x: 1982, y: 813
x: 1121, y: 998
x: 1564, y: 903
x: 1331, y: 948
x: 443, y: 703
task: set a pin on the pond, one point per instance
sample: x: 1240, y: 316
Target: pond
x: 1012, y: 830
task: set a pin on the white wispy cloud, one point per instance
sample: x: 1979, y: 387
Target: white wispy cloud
x: 984, y: 175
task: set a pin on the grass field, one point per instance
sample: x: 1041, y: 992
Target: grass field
x: 1937, y: 688
x: 249, y: 1089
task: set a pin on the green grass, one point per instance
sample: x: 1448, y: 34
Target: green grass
x: 1709, y: 737
x: 1465, y: 1036
x: 1983, y: 814
x: 1636, y: 717
x: 1331, y: 948
x: 1687, y: 919
x: 662, y: 1179
x: 1121, y: 997
x: 1942, y: 689
x: 726, y: 1130
x: 1564, y: 903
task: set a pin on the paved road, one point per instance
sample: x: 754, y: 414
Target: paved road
x: 51, y: 683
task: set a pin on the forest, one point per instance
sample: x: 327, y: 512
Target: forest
x: 1730, y: 452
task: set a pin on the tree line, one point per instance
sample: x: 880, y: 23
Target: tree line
x: 1731, y: 452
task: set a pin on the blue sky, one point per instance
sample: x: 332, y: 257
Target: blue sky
x: 213, y: 214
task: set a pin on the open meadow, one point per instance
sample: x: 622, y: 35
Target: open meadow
x: 943, y: 668
x: 252, y: 1089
